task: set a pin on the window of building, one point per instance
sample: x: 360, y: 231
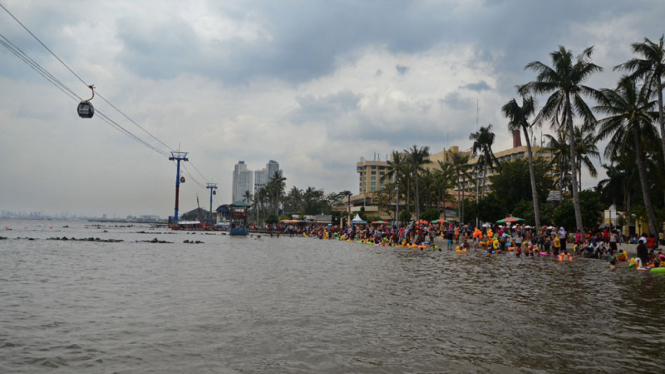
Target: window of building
x: 373, y: 183
x: 382, y: 173
x: 374, y: 178
x: 373, y: 166
x: 373, y: 189
x: 373, y: 172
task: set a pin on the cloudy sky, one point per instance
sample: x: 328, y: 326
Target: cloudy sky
x: 314, y: 85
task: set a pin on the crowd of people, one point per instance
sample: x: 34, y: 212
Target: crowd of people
x: 522, y: 240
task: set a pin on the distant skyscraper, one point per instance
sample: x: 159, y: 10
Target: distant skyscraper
x: 242, y: 181
x: 262, y: 177
x: 272, y: 167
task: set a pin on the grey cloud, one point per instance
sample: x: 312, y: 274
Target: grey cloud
x: 478, y: 87
x: 455, y: 101
x: 309, y: 37
x: 401, y: 70
x: 327, y: 107
x: 379, y: 72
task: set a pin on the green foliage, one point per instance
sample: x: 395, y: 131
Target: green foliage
x: 524, y: 209
x: 362, y: 214
x: 272, y: 219
x: 591, y: 208
x: 491, y: 208
x: 564, y: 215
x: 404, y: 216
x: 430, y: 215
x: 513, y: 184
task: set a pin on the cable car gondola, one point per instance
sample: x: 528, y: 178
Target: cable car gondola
x: 85, y: 108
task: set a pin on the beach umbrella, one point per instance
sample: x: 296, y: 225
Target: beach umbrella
x: 440, y: 220
x: 510, y: 219
x: 379, y: 223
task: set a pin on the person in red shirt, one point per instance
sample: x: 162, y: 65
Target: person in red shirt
x: 606, y: 236
x: 651, y: 241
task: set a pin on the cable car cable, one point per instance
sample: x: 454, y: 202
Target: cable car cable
x: 29, y: 61
x: 79, y: 78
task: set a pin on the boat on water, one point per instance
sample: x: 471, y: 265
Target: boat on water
x: 238, y: 218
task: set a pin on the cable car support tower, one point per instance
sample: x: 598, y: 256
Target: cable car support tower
x: 212, y: 187
x: 177, y: 156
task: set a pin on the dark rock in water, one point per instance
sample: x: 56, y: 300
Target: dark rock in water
x: 3, y: 238
x: 155, y: 240
x: 199, y: 242
x: 31, y: 239
x: 64, y: 238
x: 105, y: 231
x: 186, y: 242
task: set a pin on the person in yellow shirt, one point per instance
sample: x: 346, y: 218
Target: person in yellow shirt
x: 557, y: 245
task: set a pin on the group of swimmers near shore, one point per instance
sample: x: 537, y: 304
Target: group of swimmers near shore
x: 520, y: 240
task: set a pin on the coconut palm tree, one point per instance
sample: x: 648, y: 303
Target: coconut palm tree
x: 629, y: 125
x: 418, y: 158
x: 275, y: 187
x: 394, y: 168
x: 564, y: 80
x: 518, y: 117
x: 445, y: 179
x: 651, y: 68
x: 261, y: 198
x: 482, y: 143
x: 559, y: 151
x: 460, y: 166
x: 585, y: 150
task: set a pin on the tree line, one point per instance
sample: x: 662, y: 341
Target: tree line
x: 627, y: 115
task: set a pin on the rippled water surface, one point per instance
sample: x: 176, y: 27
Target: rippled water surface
x: 298, y: 305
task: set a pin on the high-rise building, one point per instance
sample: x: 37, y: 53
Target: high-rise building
x: 242, y: 181
x: 272, y: 167
x: 262, y: 177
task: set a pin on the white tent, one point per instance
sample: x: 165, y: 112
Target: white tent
x: 357, y: 219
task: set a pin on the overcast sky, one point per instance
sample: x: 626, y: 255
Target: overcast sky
x: 314, y: 85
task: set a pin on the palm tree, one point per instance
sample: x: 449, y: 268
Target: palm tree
x: 247, y: 197
x: 275, y: 187
x: 616, y: 184
x: 261, y: 197
x: 564, y: 81
x: 518, y: 117
x: 460, y: 166
x: 560, y: 157
x: 293, y: 200
x: 652, y: 69
x: 585, y: 149
x: 445, y: 178
x: 394, y: 168
x: 482, y: 142
x: 630, y: 125
x: 418, y: 158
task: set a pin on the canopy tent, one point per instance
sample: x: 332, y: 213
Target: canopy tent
x: 357, y: 219
x: 440, y: 220
x: 510, y: 219
x: 379, y: 223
